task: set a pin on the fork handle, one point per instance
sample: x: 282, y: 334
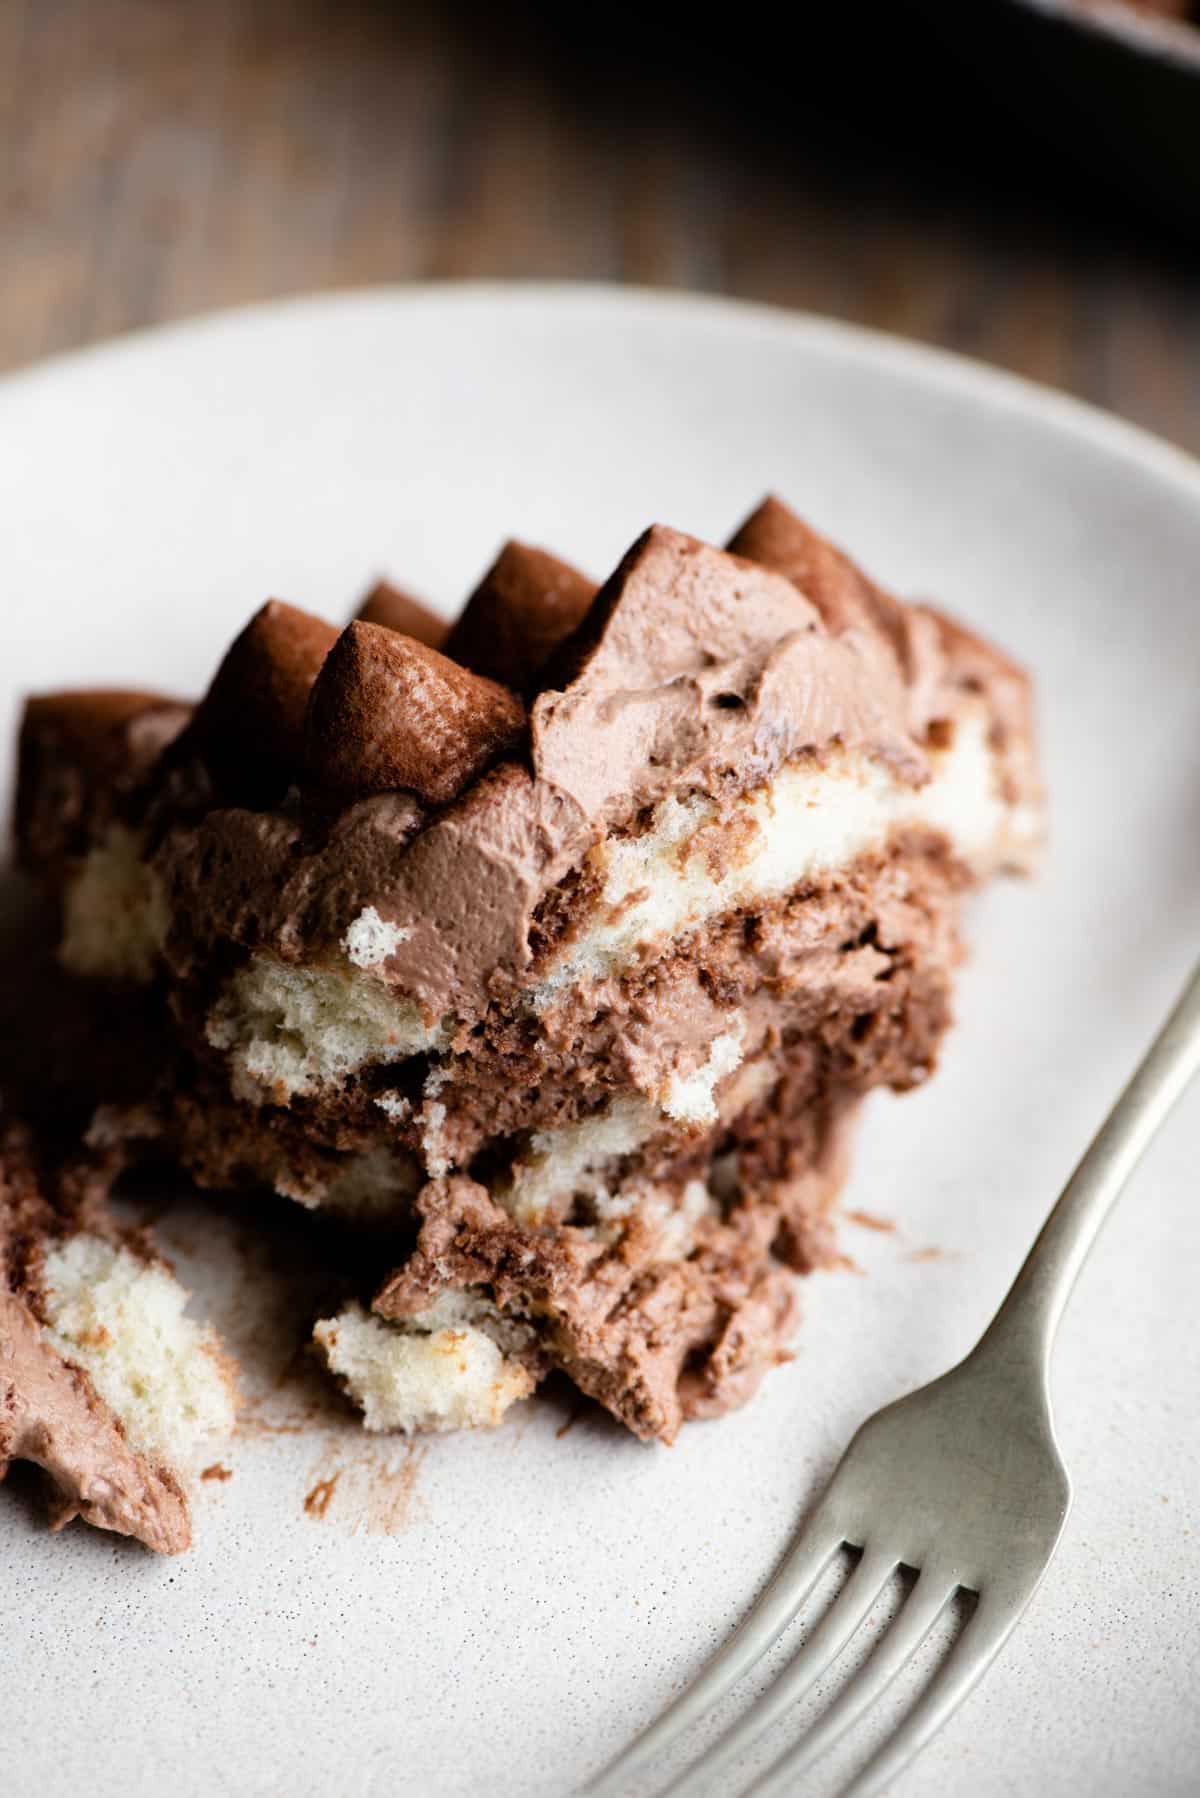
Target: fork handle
x: 1027, y: 1321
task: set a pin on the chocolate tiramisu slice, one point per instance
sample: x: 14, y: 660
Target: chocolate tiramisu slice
x: 105, y: 1382
x: 560, y: 954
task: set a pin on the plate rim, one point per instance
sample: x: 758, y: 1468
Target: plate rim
x: 951, y: 371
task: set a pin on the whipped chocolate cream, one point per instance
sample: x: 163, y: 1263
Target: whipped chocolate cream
x: 695, y: 664
x: 848, y: 601
x: 938, y: 658
x: 695, y: 661
x: 460, y: 893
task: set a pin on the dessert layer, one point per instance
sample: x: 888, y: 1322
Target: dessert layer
x: 288, y: 1031
x: 698, y: 858
x: 855, y: 968
x: 697, y: 869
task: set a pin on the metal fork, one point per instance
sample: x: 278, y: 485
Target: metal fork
x: 961, y: 1482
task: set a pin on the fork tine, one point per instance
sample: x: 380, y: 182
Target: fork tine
x: 798, y: 1573
x: 921, y: 1610
x: 827, y: 1641
x: 968, y: 1660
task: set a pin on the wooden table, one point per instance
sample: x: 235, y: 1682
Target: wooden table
x: 160, y: 158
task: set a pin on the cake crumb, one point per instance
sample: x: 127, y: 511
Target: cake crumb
x: 371, y: 939
x: 217, y: 1472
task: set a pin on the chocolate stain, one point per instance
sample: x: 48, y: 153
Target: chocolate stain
x: 868, y: 1222
x: 217, y: 1472
x: 393, y: 1493
x: 317, y: 1501
x: 366, y: 1487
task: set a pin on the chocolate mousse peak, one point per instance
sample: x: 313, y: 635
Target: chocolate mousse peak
x: 390, y: 713
x: 936, y: 658
x: 250, y: 724
x: 677, y: 606
x: 527, y: 603
x: 846, y: 598
x: 400, y: 611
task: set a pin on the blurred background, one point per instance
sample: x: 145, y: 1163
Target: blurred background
x: 1015, y: 179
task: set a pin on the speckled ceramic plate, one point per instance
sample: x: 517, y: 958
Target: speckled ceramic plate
x: 493, y: 1615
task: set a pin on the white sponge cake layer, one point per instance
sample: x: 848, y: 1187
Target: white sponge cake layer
x: 572, y: 1160
x: 665, y: 882
x: 369, y: 1186
x: 437, y: 1370
x: 691, y: 1098
x: 123, y: 1321
x: 288, y: 1030
x: 114, y: 913
x: 665, y: 1216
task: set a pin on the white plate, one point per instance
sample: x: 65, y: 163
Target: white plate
x: 546, y: 1594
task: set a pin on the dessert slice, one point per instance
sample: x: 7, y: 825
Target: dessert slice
x: 105, y: 1383
x: 564, y: 965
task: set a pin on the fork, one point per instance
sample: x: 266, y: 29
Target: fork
x: 960, y: 1482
